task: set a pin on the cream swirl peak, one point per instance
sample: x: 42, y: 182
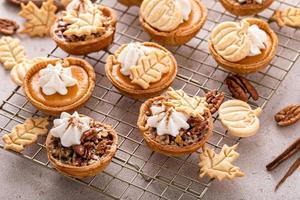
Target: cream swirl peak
x: 69, y: 128
x: 258, y: 40
x: 56, y: 79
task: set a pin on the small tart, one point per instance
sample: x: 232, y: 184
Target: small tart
x: 187, y: 141
x: 184, y: 32
x: 250, y: 64
x: 245, y: 9
x: 125, y: 85
x: 131, y: 2
x: 94, y: 153
x: 56, y: 103
x: 87, y: 41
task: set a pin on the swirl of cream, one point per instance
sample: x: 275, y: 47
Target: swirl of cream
x: 167, y: 121
x: 258, y: 39
x: 69, y: 128
x: 56, y: 79
x: 186, y: 8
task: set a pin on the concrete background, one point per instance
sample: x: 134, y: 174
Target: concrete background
x: 21, y: 179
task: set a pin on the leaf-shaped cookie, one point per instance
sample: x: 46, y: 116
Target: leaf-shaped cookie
x: 38, y: 20
x: 220, y: 165
x: 150, y: 68
x: 25, y: 134
x: 11, y: 52
x: 288, y: 17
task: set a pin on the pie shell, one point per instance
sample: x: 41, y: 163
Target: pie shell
x: 183, y: 33
x: 245, y: 9
x: 168, y: 149
x: 140, y: 93
x: 88, y: 46
x: 131, y: 2
x: 68, y: 108
x: 84, y: 171
x: 249, y: 67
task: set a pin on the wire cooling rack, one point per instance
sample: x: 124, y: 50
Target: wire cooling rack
x: 136, y: 172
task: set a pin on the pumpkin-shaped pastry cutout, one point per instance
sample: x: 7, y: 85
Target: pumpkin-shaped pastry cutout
x: 239, y: 118
x: 231, y: 41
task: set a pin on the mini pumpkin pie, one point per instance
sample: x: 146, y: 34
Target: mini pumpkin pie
x: 131, y: 2
x: 141, y: 70
x: 175, y: 123
x: 245, y: 7
x: 243, y: 47
x: 172, y: 22
x: 80, y: 146
x: 84, y: 28
x: 56, y: 85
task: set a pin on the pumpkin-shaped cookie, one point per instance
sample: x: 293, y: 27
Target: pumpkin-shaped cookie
x: 239, y: 118
x: 231, y: 41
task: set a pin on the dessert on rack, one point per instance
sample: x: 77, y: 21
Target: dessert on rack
x: 79, y: 146
x: 243, y: 47
x: 59, y: 85
x: 172, y: 22
x: 84, y: 28
x: 141, y: 70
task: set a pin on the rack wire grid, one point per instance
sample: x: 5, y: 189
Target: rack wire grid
x: 136, y: 172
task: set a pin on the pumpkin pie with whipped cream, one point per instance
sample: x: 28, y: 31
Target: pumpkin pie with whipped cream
x: 172, y: 22
x: 175, y: 123
x: 79, y: 146
x: 141, y: 70
x: 84, y: 28
x: 243, y: 47
x: 56, y: 85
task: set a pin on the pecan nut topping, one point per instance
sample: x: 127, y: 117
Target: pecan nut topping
x: 214, y: 99
x: 8, y: 27
x: 287, y: 116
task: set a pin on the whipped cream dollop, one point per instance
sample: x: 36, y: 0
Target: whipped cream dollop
x: 56, y: 79
x: 258, y: 38
x: 167, y: 120
x: 244, y: 1
x: 69, y: 128
x: 186, y: 8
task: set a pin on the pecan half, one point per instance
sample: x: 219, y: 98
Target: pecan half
x: 214, y: 99
x: 8, y: 27
x: 287, y: 116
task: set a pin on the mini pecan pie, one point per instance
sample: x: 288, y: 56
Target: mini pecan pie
x: 55, y: 85
x: 141, y: 70
x: 243, y: 47
x: 79, y: 146
x: 175, y: 124
x: 172, y: 22
x: 84, y: 28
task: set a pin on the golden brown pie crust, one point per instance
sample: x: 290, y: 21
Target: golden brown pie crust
x: 84, y: 171
x: 168, y: 149
x: 124, y: 85
x: 245, y: 9
x: 88, y: 46
x: 251, y: 63
x: 184, y: 32
x: 56, y: 103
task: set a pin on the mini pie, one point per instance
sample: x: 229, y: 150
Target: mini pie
x: 175, y: 123
x: 55, y: 85
x: 243, y: 47
x: 84, y: 28
x: 141, y: 70
x: 172, y: 22
x: 79, y: 146
x: 131, y: 2
x: 245, y: 7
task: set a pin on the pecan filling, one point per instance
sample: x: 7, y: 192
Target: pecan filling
x: 95, y: 144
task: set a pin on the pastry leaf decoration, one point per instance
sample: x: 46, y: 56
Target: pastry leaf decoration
x: 25, y: 134
x: 150, y: 68
x: 38, y: 20
x: 11, y: 52
x: 288, y: 17
x: 220, y: 165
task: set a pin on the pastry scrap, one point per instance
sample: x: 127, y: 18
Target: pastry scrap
x: 288, y: 115
x: 8, y: 27
x: 239, y: 118
x: 141, y: 70
x: 11, y: 52
x: 220, y: 165
x: 25, y: 134
x: 84, y: 28
x: 79, y: 146
x: 288, y: 17
x: 175, y: 123
x: 172, y: 22
x: 38, y: 20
